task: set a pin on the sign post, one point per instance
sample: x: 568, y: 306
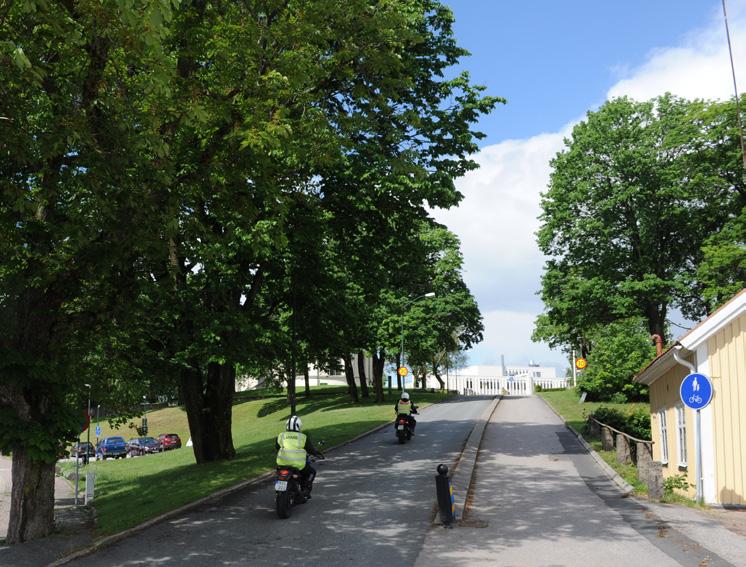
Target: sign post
x: 696, y: 392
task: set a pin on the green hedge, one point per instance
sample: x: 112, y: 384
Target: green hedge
x: 635, y: 423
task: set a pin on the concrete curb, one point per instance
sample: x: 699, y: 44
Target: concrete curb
x: 114, y: 538
x: 463, y: 471
x: 625, y: 487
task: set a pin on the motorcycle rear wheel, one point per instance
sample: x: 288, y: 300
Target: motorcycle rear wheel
x: 283, y: 503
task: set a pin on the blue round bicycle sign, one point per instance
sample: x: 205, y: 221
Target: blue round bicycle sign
x: 696, y: 391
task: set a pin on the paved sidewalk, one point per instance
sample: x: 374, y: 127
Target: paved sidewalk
x: 539, y: 499
x: 40, y: 552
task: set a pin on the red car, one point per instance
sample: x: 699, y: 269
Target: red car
x: 169, y: 441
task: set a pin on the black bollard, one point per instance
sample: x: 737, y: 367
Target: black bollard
x: 445, y: 496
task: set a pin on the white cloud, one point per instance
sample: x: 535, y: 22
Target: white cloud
x: 699, y: 68
x: 508, y: 334
x: 497, y: 220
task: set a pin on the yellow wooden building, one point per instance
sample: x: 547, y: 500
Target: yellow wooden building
x: 715, y: 347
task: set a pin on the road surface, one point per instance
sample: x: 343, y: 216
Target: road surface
x: 371, y: 506
x: 541, y: 500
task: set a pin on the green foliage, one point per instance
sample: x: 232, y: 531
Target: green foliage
x: 633, y: 197
x: 675, y: 482
x: 635, y: 422
x: 723, y: 270
x: 190, y: 186
x: 619, y: 351
x: 71, y: 210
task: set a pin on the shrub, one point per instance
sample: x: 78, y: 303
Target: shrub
x: 618, y: 398
x: 636, y: 423
x: 672, y: 483
x: 619, y: 351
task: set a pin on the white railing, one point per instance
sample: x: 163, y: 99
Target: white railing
x: 509, y: 385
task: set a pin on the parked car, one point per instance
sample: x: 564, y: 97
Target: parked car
x: 143, y: 446
x: 111, y: 447
x: 83, y: 450
x: 169, y: 441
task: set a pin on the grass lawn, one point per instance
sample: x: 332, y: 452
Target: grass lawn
x: 130, y: 491
x: 565, y: 403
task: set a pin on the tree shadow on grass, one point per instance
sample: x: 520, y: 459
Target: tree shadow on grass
x: 305, y: 405
x: 330, y: 402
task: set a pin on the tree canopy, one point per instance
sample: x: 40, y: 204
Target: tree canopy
x: 189, y: 187
x: 632, y: 201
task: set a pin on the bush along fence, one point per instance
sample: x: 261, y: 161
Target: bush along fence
x: 629, y: 449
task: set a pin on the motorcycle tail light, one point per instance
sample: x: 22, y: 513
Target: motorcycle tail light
x: 284, y: 472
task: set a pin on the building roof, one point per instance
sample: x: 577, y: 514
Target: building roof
x: 692, y: 339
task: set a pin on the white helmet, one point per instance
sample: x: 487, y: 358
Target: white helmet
x: 294, y: 423
x: 405, y: 396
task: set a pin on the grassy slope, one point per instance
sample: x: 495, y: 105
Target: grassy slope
x: 130, y: 491
x: 575, y: 414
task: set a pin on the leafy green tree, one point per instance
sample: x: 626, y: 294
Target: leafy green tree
x: 638, y: 189
x: 619, y: 351
x: 450, y: 320
x: 70, y: 222
x: 270, y: 101
x: 722, y: 272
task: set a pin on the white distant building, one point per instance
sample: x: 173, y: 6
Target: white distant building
x: 532, y: 370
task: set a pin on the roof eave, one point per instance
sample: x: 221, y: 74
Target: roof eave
x: 659, y: 367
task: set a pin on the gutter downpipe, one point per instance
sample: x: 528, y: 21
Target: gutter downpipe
x: 698, y: 427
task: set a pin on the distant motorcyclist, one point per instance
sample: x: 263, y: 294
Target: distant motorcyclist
x: 406, y: 407
x: 293, y: 448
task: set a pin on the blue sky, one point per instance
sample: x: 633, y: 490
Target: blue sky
x: 554, y: 61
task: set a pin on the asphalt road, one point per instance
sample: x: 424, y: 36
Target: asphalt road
x: 372, y: 505
x: 541, y: 500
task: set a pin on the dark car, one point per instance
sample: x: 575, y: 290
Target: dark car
x: 169, y: 441
x: 143, y: 446
x: 111, y: 447
x: 83, y: 450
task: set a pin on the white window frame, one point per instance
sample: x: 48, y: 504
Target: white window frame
x: 664, y: 436
x: 681, y: 435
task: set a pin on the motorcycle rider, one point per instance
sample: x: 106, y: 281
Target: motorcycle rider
x: 293, y: 448
x: 406, y: 407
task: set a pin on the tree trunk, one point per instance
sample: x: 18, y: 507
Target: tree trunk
x: 378, y: 363
x: 291, y: 386
x: 209, y: 406
x: 436, y: 373
x: 31, y: 498
x: 656, y: 316
x: 398, y: 376
x: 306, y: 380
x: 361, y: 373
x: 350, y: 376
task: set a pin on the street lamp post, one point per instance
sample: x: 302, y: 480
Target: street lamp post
x: 88, y: 417
x: 401, y: 352
x: 77, y: 451
x: 98, y: 410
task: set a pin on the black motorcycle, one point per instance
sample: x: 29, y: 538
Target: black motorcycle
x: 290, y: 490
x: 403, y: 428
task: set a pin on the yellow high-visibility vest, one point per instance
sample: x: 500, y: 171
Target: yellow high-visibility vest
x: 292, y: 452
x: 404, y: 407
